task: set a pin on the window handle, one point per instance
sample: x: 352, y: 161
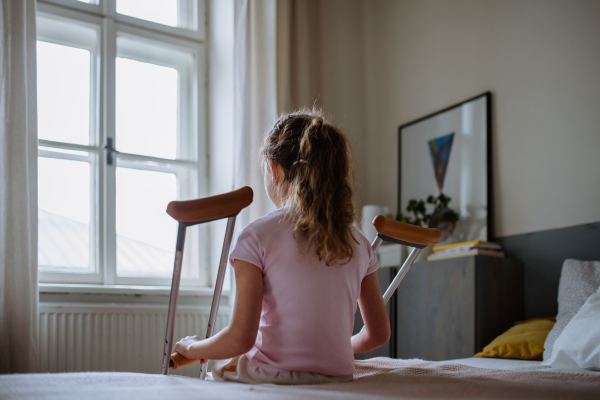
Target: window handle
x: 110, y: 149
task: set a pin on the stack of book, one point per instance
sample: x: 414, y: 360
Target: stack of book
x: 462, y: 249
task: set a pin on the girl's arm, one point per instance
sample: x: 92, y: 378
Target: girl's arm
x: 377, y: 324
x: 239, y: 337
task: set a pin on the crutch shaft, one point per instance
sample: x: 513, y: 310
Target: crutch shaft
x: 403, y: 270
x: 173, y: 299
x: 400, y: 275
x: 219, y: 285
x: 376, y: 242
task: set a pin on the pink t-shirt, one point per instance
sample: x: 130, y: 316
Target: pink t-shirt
x: 308, y: 308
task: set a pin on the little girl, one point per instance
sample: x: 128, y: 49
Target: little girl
x: 300, y: 270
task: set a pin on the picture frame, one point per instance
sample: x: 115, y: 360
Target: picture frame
x: 450, y: 151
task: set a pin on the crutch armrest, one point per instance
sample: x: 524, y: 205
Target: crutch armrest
x: 211, y: 208
x: 406, y: 233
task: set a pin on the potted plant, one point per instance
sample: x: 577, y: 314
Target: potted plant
x: 441, y: 216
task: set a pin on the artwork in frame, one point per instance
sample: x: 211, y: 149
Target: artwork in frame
x: 449, y: 152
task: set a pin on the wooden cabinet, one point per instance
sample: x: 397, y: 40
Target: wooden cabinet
x: 453, y: 308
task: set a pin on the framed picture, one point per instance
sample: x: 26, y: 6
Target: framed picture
x: 449, y: 152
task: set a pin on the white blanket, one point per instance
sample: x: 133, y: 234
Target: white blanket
x: 379, y: 378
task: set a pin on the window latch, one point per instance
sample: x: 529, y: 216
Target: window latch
x: 110, y: 149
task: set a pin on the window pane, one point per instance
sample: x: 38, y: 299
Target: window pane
x: 63, y: 75
x: 145, y: 233
x: 64, y: 214
x: 160, y: 11
x: 147, y: 109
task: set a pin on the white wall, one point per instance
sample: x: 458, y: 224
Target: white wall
x: 540, y: 59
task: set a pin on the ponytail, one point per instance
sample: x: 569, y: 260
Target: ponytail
x: 318, y: 186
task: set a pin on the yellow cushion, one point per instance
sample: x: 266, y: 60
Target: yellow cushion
x: 524, y: 341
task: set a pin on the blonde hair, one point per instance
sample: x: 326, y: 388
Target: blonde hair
x: 319, y: 185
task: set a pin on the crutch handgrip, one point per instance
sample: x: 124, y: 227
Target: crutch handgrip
x: 178, y: 361
x: 400, y: 232
x: 211, y: 208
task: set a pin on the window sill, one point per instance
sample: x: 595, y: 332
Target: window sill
x: 46, y: 289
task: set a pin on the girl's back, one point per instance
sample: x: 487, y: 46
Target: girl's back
x: 308, y: 308
x: 300, y: 270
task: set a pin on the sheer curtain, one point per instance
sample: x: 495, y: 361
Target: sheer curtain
x: 299, y: 54
x: 277, y: 63
x: 18, y: 188
x: 255, y: 95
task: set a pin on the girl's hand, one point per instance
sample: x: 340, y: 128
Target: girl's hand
x: 184, y: 347
x: 239, y: 337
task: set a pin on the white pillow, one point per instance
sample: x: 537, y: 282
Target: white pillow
x: 578, y: 281
x: 578, y: 346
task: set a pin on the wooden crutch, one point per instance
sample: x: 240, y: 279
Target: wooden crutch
x: 402, y: 233
x: 193, y: 212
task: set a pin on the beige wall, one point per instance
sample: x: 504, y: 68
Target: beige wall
x: 322, y: 42
x: 540, y: 59
x: 343, y: 75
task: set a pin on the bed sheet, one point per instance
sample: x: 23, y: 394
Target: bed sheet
x: 516, y: 365
x: 495, y: 363
x: 379, y: 378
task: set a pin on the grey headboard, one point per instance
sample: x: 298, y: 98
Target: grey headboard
x: 543, y: 254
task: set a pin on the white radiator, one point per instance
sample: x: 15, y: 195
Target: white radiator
x: 116, y: 337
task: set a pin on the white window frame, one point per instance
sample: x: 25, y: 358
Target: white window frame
x: 110, y: 26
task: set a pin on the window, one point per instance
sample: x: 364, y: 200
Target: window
x: 121, y: 99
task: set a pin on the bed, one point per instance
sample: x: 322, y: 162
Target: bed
x: 378, y: 378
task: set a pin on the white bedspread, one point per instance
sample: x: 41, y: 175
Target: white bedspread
x: 516, y: 365
x: 379, y: 378
x: 494, y: 363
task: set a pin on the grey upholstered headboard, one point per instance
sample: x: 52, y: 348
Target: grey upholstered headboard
x: 543, y: 254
